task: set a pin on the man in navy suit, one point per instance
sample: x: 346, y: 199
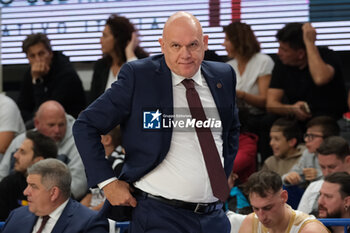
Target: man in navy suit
x: 165, y: 175
x: 48, y: 194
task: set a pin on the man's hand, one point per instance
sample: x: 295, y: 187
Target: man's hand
x: 39, y: 69
x: 231, y: 179
x: 299, y: 111
x: 309, y: 34
x: 293, y: 178
x: 310, y: 173
x: 118, y: 193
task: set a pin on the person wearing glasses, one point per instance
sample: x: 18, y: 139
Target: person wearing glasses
x: 333, y: 156
x: 308, y: 169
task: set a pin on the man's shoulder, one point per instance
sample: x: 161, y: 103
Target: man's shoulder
x: 148, y: 62
x: 215, y: 65
x: 315, y: 185
x: 79, y: 210
x: 20, y: 212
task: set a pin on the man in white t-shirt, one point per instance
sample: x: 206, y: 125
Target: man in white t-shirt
x: 333, y: 156
x: 11, y: 122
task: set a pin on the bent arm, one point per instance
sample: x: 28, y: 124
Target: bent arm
x: 321, y: 72
x: 260, y: 99
x: 5, y: 140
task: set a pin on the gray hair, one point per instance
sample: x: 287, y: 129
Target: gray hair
x: 53, y: 173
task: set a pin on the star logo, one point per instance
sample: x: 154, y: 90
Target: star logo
x: 156, y: 115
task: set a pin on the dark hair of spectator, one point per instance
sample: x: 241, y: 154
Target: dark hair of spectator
x: 263, y: 182
x: 334, y: 145
x: 34, y: 39
x: 42, y: 145
x: 122, y: 30
x: 292, y: 33
x: 289, y: 128
x: 242, y: 39
x: 327, y: 124
x: 341, y: 178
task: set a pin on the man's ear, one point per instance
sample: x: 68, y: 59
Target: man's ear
x: 347, y: 160
x: 347, y: 202
x: 36, y: 122
x: 205, y: 41
x: 161, y: 42
x: 301, y: 54
x: 37, y: 159
x: 292, y: 142
x: 284, y: 196
x: 54, y: 193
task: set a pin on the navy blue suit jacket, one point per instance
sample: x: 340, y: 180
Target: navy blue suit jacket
x: 147, y: 84
x: 75, y: 218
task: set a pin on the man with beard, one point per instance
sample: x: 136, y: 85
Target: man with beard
x: 34, y: 148
x: 333, y: 156
x: 271, y: 213
x: 334, y: 201
x: 52, y: 121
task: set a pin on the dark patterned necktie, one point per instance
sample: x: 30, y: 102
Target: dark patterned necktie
x: 43, y: 223
x: 217, y: 176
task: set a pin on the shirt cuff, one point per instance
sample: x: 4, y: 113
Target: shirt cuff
x: 37, y: 81
x: 104, y: 183
x: 131, y: 59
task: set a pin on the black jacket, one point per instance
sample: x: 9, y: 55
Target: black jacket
x: 62, y: 84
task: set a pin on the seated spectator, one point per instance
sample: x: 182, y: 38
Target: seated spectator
x: 119, y: 44
x: 52, y: 121
x: 34, y: 148
x: 333, y: 156
x: 310, y: 78
x: 11, y: 122
x: 114, y: 153
x: 334, y: 201
x: 50, y: 77
x: 245, y: 160
x: 271, y: 213
x: 308, y: 169
x: 50, y: 207
x: 253, y: 69
x: 285, y: 137
x: 253, y: 73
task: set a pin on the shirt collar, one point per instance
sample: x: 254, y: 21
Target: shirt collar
x: 197, y: 78
x: 58, y: 211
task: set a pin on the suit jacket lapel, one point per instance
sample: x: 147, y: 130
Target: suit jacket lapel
x: 164, y: 85
x: 30, y: 219
x: 215, y: 85
x: 163, y: 82
x: 65, y: 218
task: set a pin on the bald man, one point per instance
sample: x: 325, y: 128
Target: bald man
x: 52, y: 121
x: 165, y: 176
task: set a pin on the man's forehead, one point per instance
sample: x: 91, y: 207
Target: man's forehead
x: 328, y: 159
x: 329, y: 188
x: 33, y: 178
x: 263, y: 201
x: 27, y: 143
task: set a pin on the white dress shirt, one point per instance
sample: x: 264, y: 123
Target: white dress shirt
x: 54, y: 216
x: 182, y: 175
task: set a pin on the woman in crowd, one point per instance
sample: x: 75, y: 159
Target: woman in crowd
x: 253, y: 69
x: 119, y: 44
x: 253, y: 72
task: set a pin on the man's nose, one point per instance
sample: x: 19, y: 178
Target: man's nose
x: 185, y: 52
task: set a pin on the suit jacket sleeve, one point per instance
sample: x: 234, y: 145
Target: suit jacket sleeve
x: 109, y: 110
